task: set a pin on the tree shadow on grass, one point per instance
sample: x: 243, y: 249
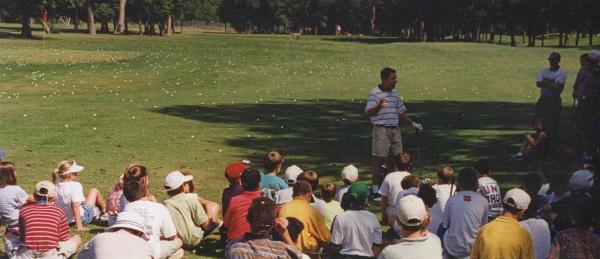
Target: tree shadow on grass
x: 328, y: 134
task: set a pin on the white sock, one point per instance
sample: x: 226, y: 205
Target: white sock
x: 374, y: 188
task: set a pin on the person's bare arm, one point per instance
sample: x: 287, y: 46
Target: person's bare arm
x: 77, y: 216
x: 373, y: 111
x: 549, y: 83
x: 384, y: 205
x: 377, y: 248
x: 406, y: 118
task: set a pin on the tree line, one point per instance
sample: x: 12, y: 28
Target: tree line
x: 418, y: 20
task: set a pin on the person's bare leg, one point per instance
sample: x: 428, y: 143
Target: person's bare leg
x: 376, y: 177
x: 95, y: 199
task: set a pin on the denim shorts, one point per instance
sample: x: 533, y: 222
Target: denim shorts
x: 89, y: 214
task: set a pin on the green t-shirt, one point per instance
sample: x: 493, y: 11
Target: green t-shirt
x: 188, y: 215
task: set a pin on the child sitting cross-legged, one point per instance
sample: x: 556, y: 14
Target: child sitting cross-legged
x: 43, y: 227
x: 191, y: 219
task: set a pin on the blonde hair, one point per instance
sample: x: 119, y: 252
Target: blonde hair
x: 60, y: 168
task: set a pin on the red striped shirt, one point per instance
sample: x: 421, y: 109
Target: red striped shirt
x: 42, y: 226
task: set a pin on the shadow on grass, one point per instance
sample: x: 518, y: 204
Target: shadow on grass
x: 328, y: 134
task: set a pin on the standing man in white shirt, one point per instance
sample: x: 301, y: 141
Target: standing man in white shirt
x: 385, y: 108
x: 466, y: 211
x: 551, y: 80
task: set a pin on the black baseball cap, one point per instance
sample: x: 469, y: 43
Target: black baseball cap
x: 250, y: 178
x: 554, y: 56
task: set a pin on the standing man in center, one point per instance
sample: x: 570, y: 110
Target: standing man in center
x: 551, y: 80
x: 385, y: 108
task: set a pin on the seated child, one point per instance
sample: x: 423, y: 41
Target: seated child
x: 158, y: 224
x: 349, y: 176
x: 54, y: 240
x: 332, y: 206
x: 12, y: 198
x: 537, y: 142
x: 356, y: 231
x: 78, y: 208
x: 113, y: 204
x: 190, y: 218
x: 269, y: 180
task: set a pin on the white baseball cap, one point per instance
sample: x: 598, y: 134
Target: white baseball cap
x: 130, y: 220
x: 74, y: 168
x: 176, y: 179
x: 580, y: 180
x: 411, y: 211
x: 48, y: 186
x: 517, y: 199
x: 350, y: 173
x: 291, y: 173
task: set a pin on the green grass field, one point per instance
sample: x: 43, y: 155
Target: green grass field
x: 197, y: 101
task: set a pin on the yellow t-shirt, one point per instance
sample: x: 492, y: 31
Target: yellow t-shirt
x: 315, y: 233
x: 503, y: 238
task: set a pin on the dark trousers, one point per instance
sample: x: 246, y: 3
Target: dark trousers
x: 549, y: 108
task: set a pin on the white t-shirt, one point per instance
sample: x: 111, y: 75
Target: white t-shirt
x: 67, y: 193
x: 544, y: 192
x: 391, y: 185
x: 489, y: 188
x: 284, y: 196
x: 340, y: 191
x: 442, y: 192
x: 119, y: 244
x: 157, y: 222
x: 320, y: 205
x: 392, y: 210
x: 427, y: 247
x: 465, y: 213
x: 12, y: 197
x: 540, y: 234
x: 356, y: 231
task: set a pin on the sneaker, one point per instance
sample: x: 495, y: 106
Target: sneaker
x: 517, y: 155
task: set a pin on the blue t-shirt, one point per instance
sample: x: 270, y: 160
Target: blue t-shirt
x: 272, y: 182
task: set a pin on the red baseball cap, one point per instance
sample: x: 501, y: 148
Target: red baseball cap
x: 234, y: 170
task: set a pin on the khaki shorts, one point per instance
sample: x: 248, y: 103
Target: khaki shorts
x: 66, y: 249
x: 385, y: 139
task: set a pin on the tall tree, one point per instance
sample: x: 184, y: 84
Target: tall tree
x: 91, y: 23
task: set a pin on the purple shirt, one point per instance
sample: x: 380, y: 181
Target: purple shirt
x: 586, y: 81
x: 230, y: 192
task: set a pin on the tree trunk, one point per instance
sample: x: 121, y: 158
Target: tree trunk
x: 26, y: 25
x: 167, y: 29
x: 478, y: 33
x: 560, y: 39
x: 566, y: 40
x: 126, y: 27
x: 591, y: 36
x: 373, y: 16
x: 543, y: 38
x: 140, y: 27
x: 492, y: 34
x: 121, y: 25
x: 524, y: 36
x: 91, y: 24
x: 76, y: 21
x: 513, y: 42
x: 500, y: 41
x: 577, y: 39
